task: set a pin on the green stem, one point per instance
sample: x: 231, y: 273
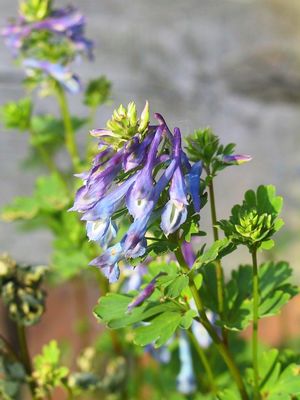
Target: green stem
x: 219, y: 269
x: 69, y: 131
x: 204, y: 361
x: 9, y: 348
x: 24, y: 355
x: 255, y: 325
x: 222, y: 348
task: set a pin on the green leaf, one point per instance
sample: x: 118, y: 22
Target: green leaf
x: 72, y: 252
x: 217, y: 250
x: 159, y: 331
x: 274, y: 288
x: 229, y: 394
x: 173, y: 285
x: 161, y: 318
x: 20, y: 208
x: 17, y: 115
x: 51, y: 193
x: 287, y: 385
x: 113, y: 310
x: 48, y: 373
x: 98, y: 92
x: 50, y: 355
x: 276, y: 383
x: 12, y: 375
x: 187, y: 319
x: 191, y: 227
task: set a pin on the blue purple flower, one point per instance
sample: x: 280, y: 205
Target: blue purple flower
x: 134, y: 175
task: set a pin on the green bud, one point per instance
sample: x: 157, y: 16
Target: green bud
x: 13, y: 308
x: 124, y: 124
x: 145, y: 118
x: 132, y: 113
x: 26, y: 308
x: 7, y: 267
x: 35, y: 10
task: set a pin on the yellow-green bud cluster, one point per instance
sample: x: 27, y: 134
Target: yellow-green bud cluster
x: 20, y: 289
x: 48, y: 372
x: 124, y: 123
x: 115, y: 375
x: 35, y: 10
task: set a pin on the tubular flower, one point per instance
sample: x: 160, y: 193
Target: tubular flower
x: 145, y: 293
x: 138, y: 167
x: 237, y: 159
x: 186, y: 380
x: 175, y: 211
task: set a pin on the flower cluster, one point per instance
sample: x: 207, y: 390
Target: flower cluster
x: 47, y: 45
x: 141, y: 170
x: 20, y: 290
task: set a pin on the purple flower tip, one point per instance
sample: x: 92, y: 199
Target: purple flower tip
x: 237, y: 159
x: 144, y: 294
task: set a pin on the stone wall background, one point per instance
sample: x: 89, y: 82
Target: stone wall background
x: 230, y: 64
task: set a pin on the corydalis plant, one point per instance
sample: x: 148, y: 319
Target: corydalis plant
x: 46, y: 40
x: 141, y: 168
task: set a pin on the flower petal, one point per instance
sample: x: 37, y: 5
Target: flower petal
x: 193, y: 180
x: 108, y: 262
x: 101, y: 231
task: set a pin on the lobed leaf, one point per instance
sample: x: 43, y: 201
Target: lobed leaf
x: 274, y: 288
x: 160, y: 320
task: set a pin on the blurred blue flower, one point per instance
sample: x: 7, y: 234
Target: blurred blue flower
x: 67, y: 22
x: 58, y: 72
x: 186, y: 380
x: 60, y: 42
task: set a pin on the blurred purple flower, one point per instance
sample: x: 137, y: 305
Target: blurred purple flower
x: 58, y: 72
x: 67, y: 22
x: 237, y: 159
